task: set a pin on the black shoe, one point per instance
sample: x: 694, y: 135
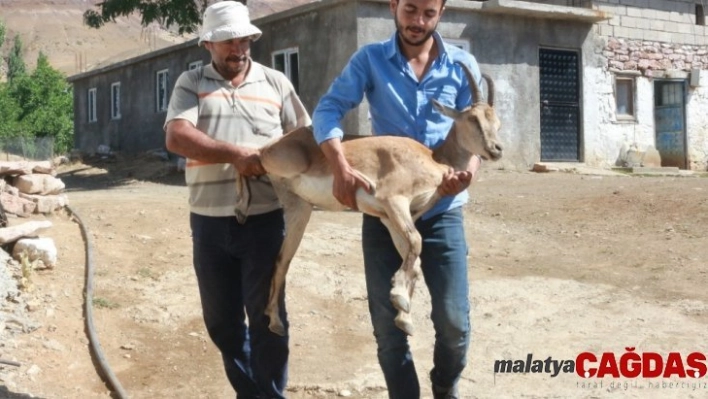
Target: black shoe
x: 442, y: 393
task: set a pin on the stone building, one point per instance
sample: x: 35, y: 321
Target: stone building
x: 576, y: 80
x: 653, y: 89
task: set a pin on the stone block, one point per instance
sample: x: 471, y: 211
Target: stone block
x: 38, y: 184
x: 17, y: 206
x: 47, y: 203
x: 41, y: 249
x: 651, y: 158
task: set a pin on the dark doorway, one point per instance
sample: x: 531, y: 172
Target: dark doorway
x: 560, y: 105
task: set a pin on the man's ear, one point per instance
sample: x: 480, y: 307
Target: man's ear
x: 445, y: 110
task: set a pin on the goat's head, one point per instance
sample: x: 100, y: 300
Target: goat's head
x: 477, y: 125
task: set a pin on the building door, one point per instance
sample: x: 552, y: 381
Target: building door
x: 670, y: 122
x: 560, y: 105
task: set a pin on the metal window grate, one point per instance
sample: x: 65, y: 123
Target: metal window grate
x: 700, y: 15
x: 560, y: 105
x: 567, y: 3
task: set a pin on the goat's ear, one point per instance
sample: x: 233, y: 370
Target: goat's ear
x: 445, y: 110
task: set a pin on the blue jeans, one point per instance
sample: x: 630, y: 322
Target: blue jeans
x: 234, y: 265
x: 444, y: 266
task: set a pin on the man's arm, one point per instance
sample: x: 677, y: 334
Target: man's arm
x: 346, y: 180
x: 345, y: 93
x: 185, y: 139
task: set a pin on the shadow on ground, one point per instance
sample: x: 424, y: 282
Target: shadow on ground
x: 102, y: 172
x: 6, y: 394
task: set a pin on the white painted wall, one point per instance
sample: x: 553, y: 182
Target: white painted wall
x: 697, y: 122
x: 656, y: 39
x: 605, y: 136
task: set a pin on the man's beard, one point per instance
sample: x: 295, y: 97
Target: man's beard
x: 420, y: 42
x: 241, y: 58
x: 228, y: 70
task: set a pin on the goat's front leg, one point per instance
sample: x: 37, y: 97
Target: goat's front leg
x: 408, y: 243
x: 297, y: 214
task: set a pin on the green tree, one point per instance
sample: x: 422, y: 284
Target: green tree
x: 2, y: 42
x: 46, y: 102
x: 186, y: 14
x: 9, y: 109
x: 15, y: 64
x: 2, y: 33
x: 9, y: 113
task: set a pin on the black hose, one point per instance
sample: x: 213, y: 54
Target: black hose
x: 105, y: 369
x: 9, y: 363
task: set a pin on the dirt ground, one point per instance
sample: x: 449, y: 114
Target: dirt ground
x: 560, y: 263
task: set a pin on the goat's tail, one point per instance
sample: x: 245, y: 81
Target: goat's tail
x: 243, y: 198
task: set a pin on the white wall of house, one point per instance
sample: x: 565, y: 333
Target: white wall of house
x: 611, y: 136
x: 605, y: 136
x: 650, y: 39
x: 697, y: 122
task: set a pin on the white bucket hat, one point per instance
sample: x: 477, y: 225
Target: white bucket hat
x: 227, y: 20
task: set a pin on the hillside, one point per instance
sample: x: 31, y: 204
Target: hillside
x: 56, y: 28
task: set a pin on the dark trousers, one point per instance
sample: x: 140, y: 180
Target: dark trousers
x: 234, y: 266
x: 444, y: 266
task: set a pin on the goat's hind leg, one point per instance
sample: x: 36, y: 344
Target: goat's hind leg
x: 297, y: 213
x: 408, y: 243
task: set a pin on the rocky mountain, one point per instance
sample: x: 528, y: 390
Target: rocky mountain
x: 55, y: 27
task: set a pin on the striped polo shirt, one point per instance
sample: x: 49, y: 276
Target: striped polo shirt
x: 261, y: 109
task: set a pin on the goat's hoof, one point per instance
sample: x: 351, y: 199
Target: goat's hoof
x: 400, y: 302
x: 241, y: 217
x: 404, y: 322
x: 276, y: 325
x: 277, y: 328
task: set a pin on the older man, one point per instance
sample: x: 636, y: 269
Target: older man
x: 217, y: 118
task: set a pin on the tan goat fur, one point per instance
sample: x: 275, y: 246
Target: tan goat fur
x: 404, y: 174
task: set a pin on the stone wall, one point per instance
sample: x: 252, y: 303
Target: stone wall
x: 646, y: 56
x: 649, y: 60
x: 650, y: 39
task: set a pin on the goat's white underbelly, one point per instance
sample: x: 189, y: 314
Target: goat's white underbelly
x: 317, y: 191
x: 423, y: 200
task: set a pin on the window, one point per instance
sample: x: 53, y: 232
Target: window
x: 195, y: 65
x: 161, y: 91
x: 624, y: 97
x: 700, y: 15
x: 92, y: 105
x: 668, y: 93
x: 287, y: 62
x: 115, y: 100
x: 459, y: 43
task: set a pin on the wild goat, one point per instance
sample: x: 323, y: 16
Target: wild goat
x: 403, y: 173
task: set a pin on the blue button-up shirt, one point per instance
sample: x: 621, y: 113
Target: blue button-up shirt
x: 399, y: 104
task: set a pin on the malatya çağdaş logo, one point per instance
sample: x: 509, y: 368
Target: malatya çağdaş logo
x: 629, y: 364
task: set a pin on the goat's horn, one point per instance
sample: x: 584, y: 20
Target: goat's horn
x: 490, y: 89
x: 473, y: 83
